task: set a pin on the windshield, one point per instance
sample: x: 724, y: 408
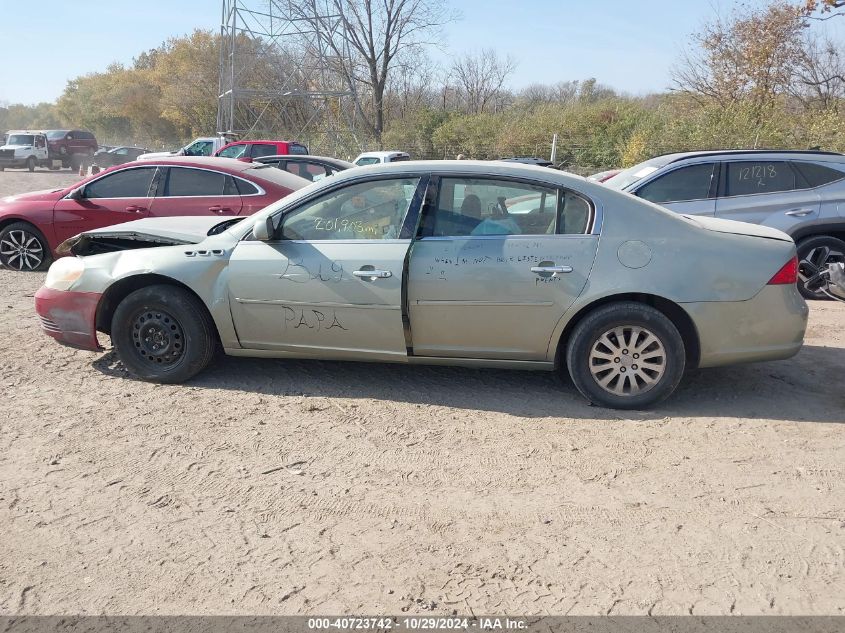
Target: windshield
x: 628, y: 177
x: 21, y: 139
x: 56, y: 134
x: 369, y: 160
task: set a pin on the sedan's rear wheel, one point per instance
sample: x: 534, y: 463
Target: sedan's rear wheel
x: 163, y: 333
x: 626, y: 356
x: 23, y: 247
x: 814, y: 254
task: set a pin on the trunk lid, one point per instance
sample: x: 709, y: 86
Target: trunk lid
x: 720, y: 225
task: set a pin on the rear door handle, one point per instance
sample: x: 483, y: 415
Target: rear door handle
x: 800, y: 213
x: 132, y: 208
x: 551, y: 269
x: 372, y: 274
x: 218, y: 209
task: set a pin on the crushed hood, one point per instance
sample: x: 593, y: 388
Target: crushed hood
x: 738, y: 228
x: 144, y: 233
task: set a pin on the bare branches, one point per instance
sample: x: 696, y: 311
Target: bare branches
x: 481, y: 77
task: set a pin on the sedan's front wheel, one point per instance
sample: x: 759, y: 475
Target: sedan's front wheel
x: 626, y: 355
x: 163, y: 334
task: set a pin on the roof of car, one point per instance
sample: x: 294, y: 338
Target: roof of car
x: 469, y: 167
x: 232, y: 164
x: 383, y: 154
x: 676, y: 156
x: 327, y: 159
x: 255, y: 140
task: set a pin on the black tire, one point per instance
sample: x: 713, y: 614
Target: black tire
x: 30, y: 163
x: 590, y: 360
x: 163, y: 334
x: 23, y: 247
x: 814, y: 253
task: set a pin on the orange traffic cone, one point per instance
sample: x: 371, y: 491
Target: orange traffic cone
x: 82, y: 170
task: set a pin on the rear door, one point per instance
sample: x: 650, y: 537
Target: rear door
x: 685, y: 189
x: 768, y: 192
x: 116, y: 197
x: 196, y: 191
x: 330, y: 285
x: 498, y: 263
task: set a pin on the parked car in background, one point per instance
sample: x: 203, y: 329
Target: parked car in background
x: 420, y: 263
x: 375, y: 158
x: 529, y: 160
x: 256, y: 149
x: 72, y: 147
x: 118, y: 155
x: 604, y: 175
x: 24, y: 149
x: 203, y: 146
x: 32, y: 225
x: 799, y: 192
x: 311, y: 168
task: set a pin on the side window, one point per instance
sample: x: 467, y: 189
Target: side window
x: 817, y: 175
x: 309, y: 171
x: 399, y: 158
x: 129, y: 183
x: 480, y: 206
x: 687, y: 183
x: 748, y: 177
x: 122, y: 151
x: 263, y: 149
x: 70, y: 136
x: 245, y: 188
x: 296, y: 148
x: 235, y: 151
x: 365, y: 211
x: 183, y: 181
x: 575, y: 214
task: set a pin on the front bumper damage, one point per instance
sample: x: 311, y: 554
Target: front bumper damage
x: 69, y: 317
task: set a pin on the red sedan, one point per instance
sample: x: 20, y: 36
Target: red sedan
x: 32, y: 225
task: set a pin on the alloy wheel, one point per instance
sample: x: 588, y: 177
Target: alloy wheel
x: 814, y: 262
x: 627, y: 360
x: 21, y: 250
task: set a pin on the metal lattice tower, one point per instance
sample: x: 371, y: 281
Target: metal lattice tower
x: 279, y: 76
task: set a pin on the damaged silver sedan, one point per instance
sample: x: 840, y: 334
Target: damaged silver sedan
x: 447, y: 262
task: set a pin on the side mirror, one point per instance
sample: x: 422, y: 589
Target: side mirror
x: 263, y: 231
x: 77, y: 194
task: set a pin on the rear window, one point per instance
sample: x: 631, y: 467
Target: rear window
x: 275, y: 176
x: 245, y: 188
x: 751, y: 177
x: 817, y: 175
x: 369, y: 160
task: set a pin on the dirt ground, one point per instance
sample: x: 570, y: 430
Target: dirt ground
x: 310, y: 487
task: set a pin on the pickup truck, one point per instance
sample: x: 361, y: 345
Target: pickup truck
x: 203, y: 146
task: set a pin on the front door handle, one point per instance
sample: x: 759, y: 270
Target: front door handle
x: 551, y: 269
x: 132, y: 208
x: 800, y: 213
x: 372, y: 274
x: 218, y: 209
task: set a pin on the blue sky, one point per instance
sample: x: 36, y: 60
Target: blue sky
x: 628, y: 45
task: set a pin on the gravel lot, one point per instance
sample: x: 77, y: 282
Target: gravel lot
x: 310, y: 487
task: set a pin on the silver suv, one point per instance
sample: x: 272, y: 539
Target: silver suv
x: 799, y: 192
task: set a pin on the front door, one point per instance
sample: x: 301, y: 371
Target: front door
x: 116, y: 197
x: 330, y: 284
x: 498, y: 264
x: 690, y: 189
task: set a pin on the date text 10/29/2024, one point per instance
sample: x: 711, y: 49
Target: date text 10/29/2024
x: 421, y: 623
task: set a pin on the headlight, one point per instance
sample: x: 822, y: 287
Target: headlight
x: 64, y: 272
